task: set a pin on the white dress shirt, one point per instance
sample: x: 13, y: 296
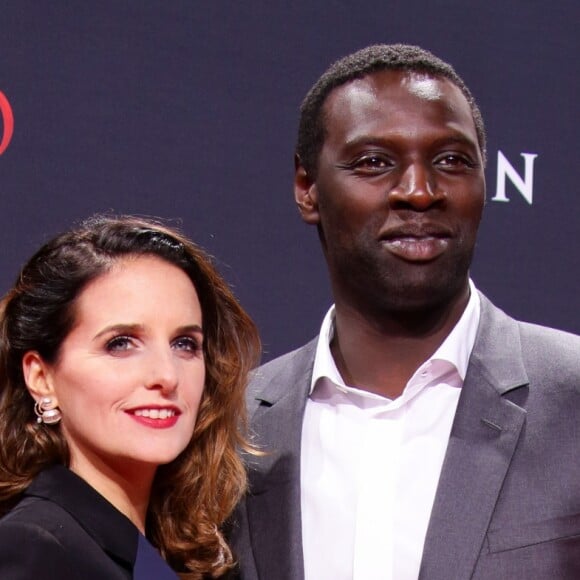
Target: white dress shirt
x: 370, y: 465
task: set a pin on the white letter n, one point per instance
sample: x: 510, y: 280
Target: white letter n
x: 505, y: 169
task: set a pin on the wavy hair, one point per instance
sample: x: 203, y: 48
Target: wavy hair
x: 194, y: 494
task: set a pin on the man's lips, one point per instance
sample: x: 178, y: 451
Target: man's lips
x: 417, y: 243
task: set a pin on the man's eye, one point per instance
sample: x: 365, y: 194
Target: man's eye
x: 119, y: 343
x: 371, y: 164
x: 454, y: 160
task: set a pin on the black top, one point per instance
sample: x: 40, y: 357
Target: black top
x: 63, y: 528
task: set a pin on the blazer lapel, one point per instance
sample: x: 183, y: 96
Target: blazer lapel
x: 483, y: 439
x: 273, y: 506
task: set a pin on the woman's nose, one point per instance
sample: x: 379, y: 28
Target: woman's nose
x: 162, y: 371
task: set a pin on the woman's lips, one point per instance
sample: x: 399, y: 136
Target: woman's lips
x: 156, y: 417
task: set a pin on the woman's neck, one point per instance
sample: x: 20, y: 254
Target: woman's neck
x: 128, y: 489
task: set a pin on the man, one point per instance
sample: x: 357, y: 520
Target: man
x: 424, y: 433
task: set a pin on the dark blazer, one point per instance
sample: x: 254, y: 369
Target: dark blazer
x: 63, y: 529
x: 508, y: 500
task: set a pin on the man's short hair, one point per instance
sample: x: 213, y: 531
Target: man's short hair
x: 402, y: 57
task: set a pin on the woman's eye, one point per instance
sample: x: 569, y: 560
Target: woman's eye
x: 119, y: 344
x: 187, y: 344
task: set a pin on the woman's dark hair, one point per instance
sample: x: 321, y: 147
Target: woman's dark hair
x: 193, y: 495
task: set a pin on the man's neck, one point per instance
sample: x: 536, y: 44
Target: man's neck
x: 381, y: 354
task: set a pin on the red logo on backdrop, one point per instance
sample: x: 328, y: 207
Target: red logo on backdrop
x: 7, y: 121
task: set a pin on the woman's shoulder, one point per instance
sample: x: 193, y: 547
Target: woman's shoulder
x: 35, y: 512
x: 34, y: 516
x: 39, y: 539
x: 31, y: 542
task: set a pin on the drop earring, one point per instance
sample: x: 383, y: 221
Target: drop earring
x: 47, y: 411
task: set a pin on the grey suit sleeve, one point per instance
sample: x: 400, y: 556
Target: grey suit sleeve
x: 28, y: 552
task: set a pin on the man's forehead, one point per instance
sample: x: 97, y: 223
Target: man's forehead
x: 423, y: 85
x: 373, y: 91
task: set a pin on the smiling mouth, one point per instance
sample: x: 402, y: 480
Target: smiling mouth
x: 155, y: 413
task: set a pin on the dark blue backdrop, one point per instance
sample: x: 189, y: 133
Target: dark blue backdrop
x: 188, y: 111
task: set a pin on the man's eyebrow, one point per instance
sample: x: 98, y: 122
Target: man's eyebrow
x: 365, y: 140
x: 456, y: 137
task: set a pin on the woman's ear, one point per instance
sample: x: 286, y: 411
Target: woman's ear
x: 37, y: 376
x: 305, y: 193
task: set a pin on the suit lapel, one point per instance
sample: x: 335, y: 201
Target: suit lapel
x: 273, y: 506
x: 483, y: 439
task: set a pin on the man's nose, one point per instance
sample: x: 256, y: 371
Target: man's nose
x: 416, y: 189
x: 162, y: 370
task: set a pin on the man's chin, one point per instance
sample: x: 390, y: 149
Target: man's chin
x: 423, y: 295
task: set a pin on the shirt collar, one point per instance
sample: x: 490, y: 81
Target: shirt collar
x: 455, y: 349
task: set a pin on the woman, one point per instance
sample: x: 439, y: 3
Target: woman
x: 123, y: 361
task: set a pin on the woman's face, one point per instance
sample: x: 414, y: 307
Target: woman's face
x: 130, y: 374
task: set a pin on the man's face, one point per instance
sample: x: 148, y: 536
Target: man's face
x: 398, y: 193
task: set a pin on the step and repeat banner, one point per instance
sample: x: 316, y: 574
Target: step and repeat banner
x: 188, y: 111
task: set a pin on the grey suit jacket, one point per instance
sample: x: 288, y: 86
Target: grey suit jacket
x: 507, y: 505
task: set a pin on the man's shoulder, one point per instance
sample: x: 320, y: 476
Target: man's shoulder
x: 547, y: 334
x: 286, y: 367
x: 542, y: 348
x: 495, y: 316
x: 553, y: 349
x: 305, y: 353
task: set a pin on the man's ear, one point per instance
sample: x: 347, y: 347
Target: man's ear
x: 37, y: 376
x: 305, y: 193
